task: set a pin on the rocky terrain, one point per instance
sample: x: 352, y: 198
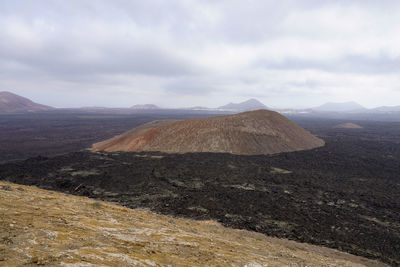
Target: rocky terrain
x: 249, y: 133
x: 10, y: 102
x: 344, y: 195
x: 46, y: 228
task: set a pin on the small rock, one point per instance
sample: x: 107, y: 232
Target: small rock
x: 6, y: 187
x: 340, y: 201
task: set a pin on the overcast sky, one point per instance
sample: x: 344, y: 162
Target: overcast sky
x: 119, y: 53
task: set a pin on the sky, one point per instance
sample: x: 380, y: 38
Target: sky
x: 286, y: 53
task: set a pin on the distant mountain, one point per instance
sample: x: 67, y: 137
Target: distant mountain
x: 251, y: 104
x: 387, y: 109
x: 10, y: 102
x: 340, y: 107
x: 145, y: 106
x: 292, y: 111
x: 94, y: 108
x: 197, y: 108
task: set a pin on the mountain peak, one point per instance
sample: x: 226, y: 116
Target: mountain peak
x: 250, y: 104
x: 10, y: 102
x: 253, y: 101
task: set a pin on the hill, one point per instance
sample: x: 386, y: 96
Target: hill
x: 251, y: 104
x: 340, y: 107
x: 249, y: 133
x: 387, y: 109
x: 10, y: 102
x: 79, y: 231
x: 145, y: 106
x: 349, y: 125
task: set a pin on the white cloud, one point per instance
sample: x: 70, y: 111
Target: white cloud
x: 193, y: 52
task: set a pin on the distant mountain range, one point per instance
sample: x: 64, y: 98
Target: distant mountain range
x: 10, y: 102
x: 386, y: 109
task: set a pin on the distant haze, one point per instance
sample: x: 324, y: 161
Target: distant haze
x: 122, y: 53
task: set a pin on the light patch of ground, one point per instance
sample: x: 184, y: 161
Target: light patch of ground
x: 150, y: 156
x: 349, y: 125
x: 375, y: 220
x: 279, y: 171
x: 201, y: 209
x: 196, y: 184
x: 85, y: 173
x: 250, y: 187
x: 39, y: 227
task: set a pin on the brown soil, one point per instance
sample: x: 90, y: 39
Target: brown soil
x: 40, y: 227
x: 248, y: 133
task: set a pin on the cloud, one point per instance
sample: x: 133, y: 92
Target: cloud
x: 174, y: 52
x: 190, y: 86
x: 347, y: 64
x: 67, y: 54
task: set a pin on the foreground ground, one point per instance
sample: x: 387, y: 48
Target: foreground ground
x: 40, y: 227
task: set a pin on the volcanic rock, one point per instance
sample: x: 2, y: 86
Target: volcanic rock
x: 248, y: 133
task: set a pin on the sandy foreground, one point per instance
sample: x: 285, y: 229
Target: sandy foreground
x: 40, y: 227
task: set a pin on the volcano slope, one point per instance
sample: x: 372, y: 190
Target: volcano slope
x: 40, y: 227
x: 247, y: 133
x: 10, y: 102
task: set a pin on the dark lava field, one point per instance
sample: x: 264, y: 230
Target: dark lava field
x: 345, y: 195
x: 27, y: 135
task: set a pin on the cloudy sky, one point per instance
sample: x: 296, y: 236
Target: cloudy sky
x: 119, y: 53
